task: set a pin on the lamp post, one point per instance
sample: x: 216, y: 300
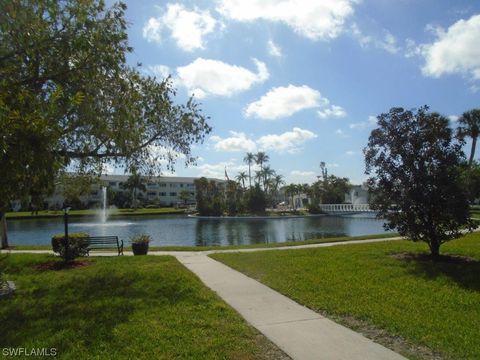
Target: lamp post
x: 66, y: 209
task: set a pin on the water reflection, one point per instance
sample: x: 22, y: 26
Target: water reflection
x: 179, y: 230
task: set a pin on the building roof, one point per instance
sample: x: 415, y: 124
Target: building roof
x: 171, y: 179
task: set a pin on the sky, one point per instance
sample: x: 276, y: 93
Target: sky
x: 303, y: 80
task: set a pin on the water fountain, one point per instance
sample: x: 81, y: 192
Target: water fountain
x: 103, y: 214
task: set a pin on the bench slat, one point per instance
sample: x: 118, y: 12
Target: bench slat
x: 99, y: 242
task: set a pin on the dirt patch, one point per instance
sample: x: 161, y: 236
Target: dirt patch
x: 269, y: 351
x: 448, y: 259
x: 380, y: 336
x: 60, y: 265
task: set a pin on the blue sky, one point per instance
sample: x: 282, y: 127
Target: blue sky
x: 304, y: 80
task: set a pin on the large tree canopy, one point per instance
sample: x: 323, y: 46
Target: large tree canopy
x: 68, y: 97
x: 416, y: 186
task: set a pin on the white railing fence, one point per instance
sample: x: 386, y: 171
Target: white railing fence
x: 345, y: 208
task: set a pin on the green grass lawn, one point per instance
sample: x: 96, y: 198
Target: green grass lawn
x: 433, y: 304
x: 232, y: 247
x: 93, y: 212
x: 122, y: 308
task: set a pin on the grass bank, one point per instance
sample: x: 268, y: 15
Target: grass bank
x: 46, y: 214
x: 429, y: 304
x: 233, y: 247
x: 123, y: 308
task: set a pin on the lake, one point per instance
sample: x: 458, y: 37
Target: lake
x: 191, y: 231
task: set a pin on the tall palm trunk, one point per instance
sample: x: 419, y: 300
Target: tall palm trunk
x: 3, y: 230
x: 249, y: 175
x: 472, y: 151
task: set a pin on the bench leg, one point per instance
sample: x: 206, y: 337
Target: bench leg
x: 120, y: 249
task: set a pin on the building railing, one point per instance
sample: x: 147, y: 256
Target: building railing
x: 345, y: 208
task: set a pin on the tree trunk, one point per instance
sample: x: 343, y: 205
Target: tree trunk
x: 3, y: 231
x: 249, y: 176
x: 434, y: 248
x: 472, y: 152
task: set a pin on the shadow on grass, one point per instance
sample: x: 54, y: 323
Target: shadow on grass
x: 81, y: 307
x: 462, y: 270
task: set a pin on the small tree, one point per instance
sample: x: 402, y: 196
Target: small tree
x: 416, y: 183
x: 184, y: 195
x: 255, y: 200
x: 134, y: 183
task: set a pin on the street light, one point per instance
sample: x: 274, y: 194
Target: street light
x: 66, y: 209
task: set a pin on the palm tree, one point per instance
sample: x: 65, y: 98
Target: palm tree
x: 241, y: 177
x: 469, y: 125
x: 275, y: 183
x: 134, y: 183
x: 261, y: 158
x: 291, y: 190
x: 249, y: 159
x: 267, y: 173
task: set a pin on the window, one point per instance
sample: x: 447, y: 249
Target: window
x: 173, y: 185
x: 163, y: 194
x: 173, y: 194
x: 163, y: 185
x: 112, y: 183
x: 152, y: 193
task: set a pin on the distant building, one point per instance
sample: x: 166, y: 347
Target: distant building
x: 358, y: 195
x: 160, y: 191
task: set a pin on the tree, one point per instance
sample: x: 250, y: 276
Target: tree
x: 134, y: 183
x: 249, y: 159
x: 416, y: 183
x: 255, y: 200
x: 469, y: 125
x: 69, y: 99
x: 291, y: 190
x: 209, y: 197
x: 184, y: 195
x: 261, y: 158
x: 241, y: 177
x: 470, y: 176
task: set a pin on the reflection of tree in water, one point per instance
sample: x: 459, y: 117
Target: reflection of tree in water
x: 246, y: 231
x: 208, y: 232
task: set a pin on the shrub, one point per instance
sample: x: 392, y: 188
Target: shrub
x: 141, y: 239
x: 77, y: 245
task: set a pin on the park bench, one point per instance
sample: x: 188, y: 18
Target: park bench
x: 103, y: 242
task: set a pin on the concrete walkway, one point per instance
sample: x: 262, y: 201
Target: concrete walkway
x: 298, y: 331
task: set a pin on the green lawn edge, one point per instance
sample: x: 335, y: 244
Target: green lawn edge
x: 235, y: 247
x: 48, y: 214
x: 433, y: 306
x: 122, y: 308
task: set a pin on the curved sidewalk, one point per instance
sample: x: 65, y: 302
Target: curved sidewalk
x: 298, y: 331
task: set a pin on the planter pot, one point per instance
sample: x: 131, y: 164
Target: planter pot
x: 140, y: 248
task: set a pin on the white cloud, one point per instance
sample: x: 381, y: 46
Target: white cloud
x: 282, y: 102
x: 387, y: 43
x: 371, y: 121
x: 187, y: 27
x: 332, y: 111
x: 238, y: 141
x: 152, y: 30
x: 314, y: 19
x: 299, y: 176
x: 455, y: 50
x: 453, y: 118
x: 218, y: 170
x: 274, y: 49
x: 287, y: 142
x: 159, y: 71
x: 213, y: 77
x: 351, y: 153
